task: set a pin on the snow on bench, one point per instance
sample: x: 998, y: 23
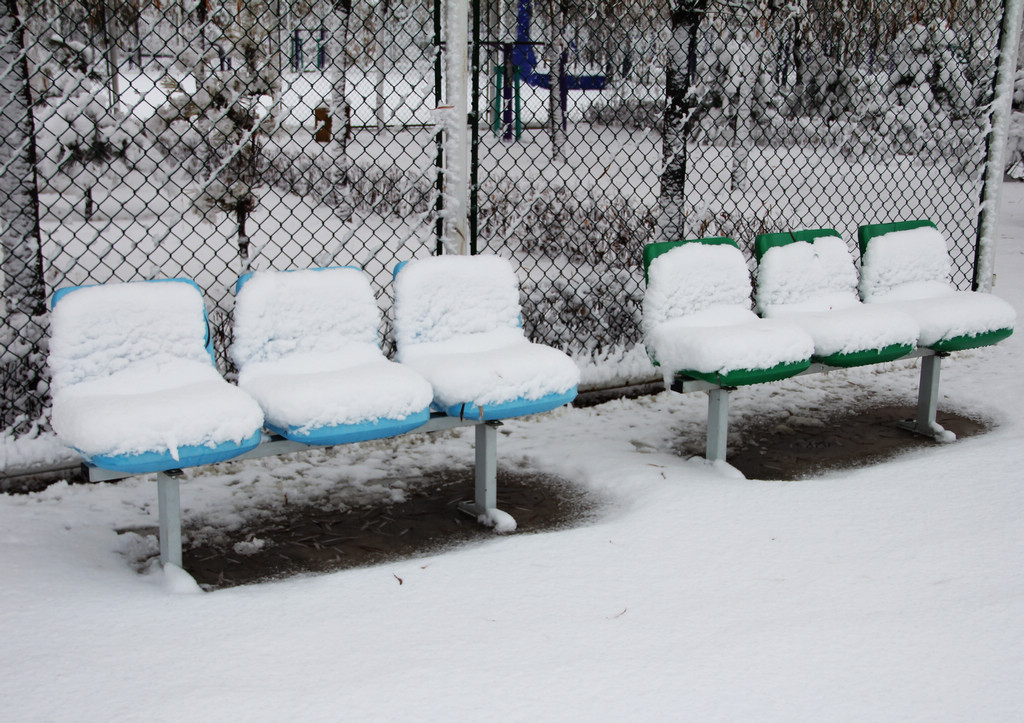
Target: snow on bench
x: 698, y: 322
x: 458, y: 323
x: 905, y: 268
x: 135, y: 389
x: 809, y: 278
x: 698, y: 325
x: 306, y: 347
x: 696, y: 295
x: 134, y: 384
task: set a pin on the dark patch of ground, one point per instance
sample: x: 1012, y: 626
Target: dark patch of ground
x: 313, y: 540
x: 309, y: 539
x: 798, y: 447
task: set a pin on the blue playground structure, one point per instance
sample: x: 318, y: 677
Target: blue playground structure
x: 308, y: 49
x: 525, y: 59
x: 519, y: 64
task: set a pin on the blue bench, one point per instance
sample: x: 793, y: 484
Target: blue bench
x: 136, y: 390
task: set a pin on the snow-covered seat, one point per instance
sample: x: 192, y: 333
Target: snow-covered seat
x: 808, y: 277
x: 906, y: 267
x: 457, y: 322
x: 135, y: 388
x: 306, y: 346
x: 698, y: 322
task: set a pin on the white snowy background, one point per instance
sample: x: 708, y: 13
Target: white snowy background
x: 890, y: 592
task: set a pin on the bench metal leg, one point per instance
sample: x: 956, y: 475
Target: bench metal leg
x: 485, y: 505
x: 169, y: 506
x: 486, y: 466
x: 928, y: 402
x: 718, y: 424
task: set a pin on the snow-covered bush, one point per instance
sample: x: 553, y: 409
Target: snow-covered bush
x: 348, y: 187
x: 628, y: 111
x: 217, y: 131
x: 602, y: 308
x: 84, y: 144
x: 83, y: 141
x: 551, y: 220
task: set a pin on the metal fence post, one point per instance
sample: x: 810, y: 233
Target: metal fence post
x: 457, y: 129
x: 995, y: 145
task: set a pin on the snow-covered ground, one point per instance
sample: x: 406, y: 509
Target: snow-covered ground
x: 892, y: 592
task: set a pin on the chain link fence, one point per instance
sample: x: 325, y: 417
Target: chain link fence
x: 201, y: 138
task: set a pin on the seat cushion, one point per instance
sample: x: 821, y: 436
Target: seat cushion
x: 730, y: 346
x: 955, y: 320
x: 457, y: 322
x: 157, y: 416
x: 906, y: 268
x: 494, y: 375
x: 853, y: 335
x: 338, y: 398
x: 133, y: 381
x: 306, y: 347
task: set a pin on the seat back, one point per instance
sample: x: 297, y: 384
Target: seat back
x: 685, y: 277
x: 317, y: 311
x: 441, y: 298
x: 96, y: 331
x: 803, y: 267
x: 906, y: 259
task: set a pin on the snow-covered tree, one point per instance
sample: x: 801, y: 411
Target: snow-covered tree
x: 337, y: 21
x: 218, y: 130
x: 555, y: 54
x: 23, y: 314
x: 79, y: 133
x: 681, y: 102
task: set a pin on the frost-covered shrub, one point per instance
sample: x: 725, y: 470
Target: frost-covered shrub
x: 627, y: 112
x: 352, y: 187
x: 552, y: 220
x: 601, y: 307
x: 742, y: 227
x: 82, y: 141
x: 23, y: 394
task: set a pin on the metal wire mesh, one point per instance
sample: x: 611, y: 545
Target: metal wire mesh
x: 792, y: 115
x: 202, y: 139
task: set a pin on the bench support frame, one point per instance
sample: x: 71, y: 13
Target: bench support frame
x: 924, y: 423
x: 928, y: 402
x: 486, y: 473
x: 718, y: 424
x: 169, y: 512
x: 169, y: 497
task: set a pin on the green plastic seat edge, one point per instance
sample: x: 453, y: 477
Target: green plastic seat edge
x: 654, y: 250
x: 765, y: 241
x: 967, y: 341
x: 744, y: 377
x: 870, y: 231
x: 866, y: 356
